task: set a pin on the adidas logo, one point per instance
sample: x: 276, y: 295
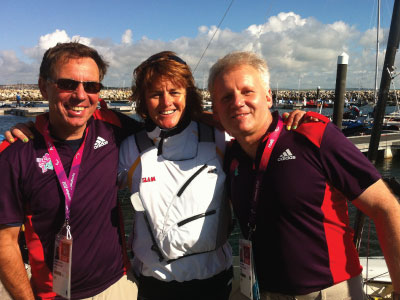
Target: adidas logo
x: 286, y: 155
x: 100, y: 142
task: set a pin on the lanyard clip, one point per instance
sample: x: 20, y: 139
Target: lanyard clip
x: 68, y: 229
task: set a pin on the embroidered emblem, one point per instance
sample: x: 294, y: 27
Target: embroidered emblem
x: 45, y: 163
x: 286, y: 155
x: 100, y: 142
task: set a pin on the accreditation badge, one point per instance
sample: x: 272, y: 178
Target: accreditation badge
x: 248, y: 280
x: 62, y: 263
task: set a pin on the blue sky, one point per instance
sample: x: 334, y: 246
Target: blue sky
x: 300, y: 39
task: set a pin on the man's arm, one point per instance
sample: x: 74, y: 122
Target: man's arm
x: 378, y: 203
x: 12, y: 270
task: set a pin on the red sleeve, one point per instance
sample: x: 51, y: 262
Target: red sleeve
x: 108, y: 116
x: 314, y: 131
x: 4, y: 145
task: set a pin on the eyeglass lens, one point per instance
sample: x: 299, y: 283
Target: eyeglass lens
x: 90, y: 87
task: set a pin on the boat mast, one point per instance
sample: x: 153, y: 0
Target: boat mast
x: 276, y: 97
x: 388, y: 67
x: 377, y: 50
x: 298, y: 90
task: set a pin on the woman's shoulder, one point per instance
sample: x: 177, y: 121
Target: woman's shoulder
x: 130, y: 141
x: 128, y: 151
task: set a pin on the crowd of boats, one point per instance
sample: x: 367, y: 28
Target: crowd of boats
x: 356, y: 122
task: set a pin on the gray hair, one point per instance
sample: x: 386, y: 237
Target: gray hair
x: 235, y: 59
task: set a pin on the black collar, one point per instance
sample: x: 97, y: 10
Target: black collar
x: 165, y: 133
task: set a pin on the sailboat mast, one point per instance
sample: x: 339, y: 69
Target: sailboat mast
x: 388, y: 67
x: 277, y: 93
x: 377, y: 50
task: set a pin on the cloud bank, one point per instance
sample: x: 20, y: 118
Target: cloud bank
x: 301, y: 52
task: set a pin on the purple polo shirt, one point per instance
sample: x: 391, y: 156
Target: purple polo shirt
x: 303, y: 241
x: 31, y: 194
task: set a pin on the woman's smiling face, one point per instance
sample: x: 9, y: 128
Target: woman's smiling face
x: 166, y: 103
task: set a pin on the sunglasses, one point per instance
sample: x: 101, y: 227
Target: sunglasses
x: 91, y: 87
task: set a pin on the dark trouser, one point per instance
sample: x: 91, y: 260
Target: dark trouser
x: 217, y: 287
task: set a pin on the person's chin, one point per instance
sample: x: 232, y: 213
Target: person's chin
x: 77, y: 121
x: 168, y: 124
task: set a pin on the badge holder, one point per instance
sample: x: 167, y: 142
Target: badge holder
x: 62, y: 262
x: 248, y: 280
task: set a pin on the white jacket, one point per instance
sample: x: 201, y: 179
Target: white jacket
x: 181, y: 194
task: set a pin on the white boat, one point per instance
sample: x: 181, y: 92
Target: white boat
x: 392, y: 120
x: 377, y: 282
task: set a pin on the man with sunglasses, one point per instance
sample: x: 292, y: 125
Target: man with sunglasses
x: 62, y: 186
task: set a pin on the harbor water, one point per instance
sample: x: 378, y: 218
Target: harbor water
x: 370, y: 246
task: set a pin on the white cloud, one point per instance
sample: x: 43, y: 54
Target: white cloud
x: 368, y: 39
x: 127, y: 37
x: 298, y: 50
x: 51, y: 39
x: 13, y: 70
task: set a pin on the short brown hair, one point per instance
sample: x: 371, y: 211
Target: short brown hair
x: 165, y: 64
x: 66, y: 51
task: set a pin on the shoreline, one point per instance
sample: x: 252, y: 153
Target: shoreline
x: 366, y: 96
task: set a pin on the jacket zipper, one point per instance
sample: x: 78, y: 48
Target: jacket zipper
x: 180, y: 192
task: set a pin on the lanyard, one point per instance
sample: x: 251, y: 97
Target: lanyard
x: 67, y: 184
x: 271, y: 141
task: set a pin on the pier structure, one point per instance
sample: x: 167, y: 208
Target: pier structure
x: 389, y: 143
x: 127, y: 107
x: 26, y: 111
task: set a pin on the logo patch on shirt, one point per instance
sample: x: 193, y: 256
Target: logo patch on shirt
x: 45, y: 163
x: 286, y: 155
x: 148, y: 179
x: 100, y: 142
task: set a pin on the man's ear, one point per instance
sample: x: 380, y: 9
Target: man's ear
x: 43, y: 87
x: 269, y: 98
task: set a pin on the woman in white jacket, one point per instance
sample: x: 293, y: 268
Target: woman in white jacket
x: 174, y: 167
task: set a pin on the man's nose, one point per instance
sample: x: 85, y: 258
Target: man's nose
x: 238, y: 100
x: 80, y: 92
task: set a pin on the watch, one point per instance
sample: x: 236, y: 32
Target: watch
x: 395, y: 296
